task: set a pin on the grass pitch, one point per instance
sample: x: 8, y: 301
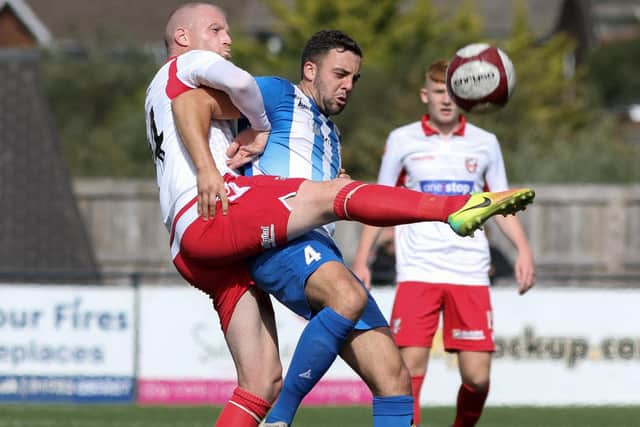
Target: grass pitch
x: 18, y: 415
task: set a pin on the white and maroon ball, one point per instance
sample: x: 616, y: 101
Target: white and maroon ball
x: 480, y: 78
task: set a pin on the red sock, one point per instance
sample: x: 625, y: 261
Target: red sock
x: 383, y: 206
x: 416, y: 385
x: 243, y: 410
x: 470, y: 405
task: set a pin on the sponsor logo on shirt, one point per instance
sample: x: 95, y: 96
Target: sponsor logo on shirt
x: 446, y: 187
x: 303, y: 105
x: 471, y: 334
x: 395, y: 325
x: 268, y: 236
x: 421, y: 157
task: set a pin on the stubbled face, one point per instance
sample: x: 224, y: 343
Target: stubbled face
x: 333, y: 78
x: 441, y: 109
x: 210, y: 31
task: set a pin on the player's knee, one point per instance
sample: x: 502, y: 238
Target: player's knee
x: 396, y: 380
x: 403, y: 379
x: 333, y: 286
x: 351, y: 299
x: 478, y: 384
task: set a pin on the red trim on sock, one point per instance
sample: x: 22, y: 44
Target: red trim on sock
x: 339, y: 203
x: 243, y: 410
x: 416, y: 386
x: 470, y: 406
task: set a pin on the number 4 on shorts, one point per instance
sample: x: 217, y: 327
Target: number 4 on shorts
x: 310, y: 255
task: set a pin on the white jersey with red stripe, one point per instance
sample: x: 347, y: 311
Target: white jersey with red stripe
x: 419, y: 158
x: 176, y: 174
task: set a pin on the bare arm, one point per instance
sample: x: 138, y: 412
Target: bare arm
x: 524, y: 267
x: 360, y: 267
x: 193, y: 111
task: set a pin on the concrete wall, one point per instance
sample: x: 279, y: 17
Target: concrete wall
x: 575, y: 230
x: 124, y: 223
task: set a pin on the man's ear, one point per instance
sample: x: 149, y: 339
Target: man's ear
x: 181, y: 37
x: 309, y: 70
x: 424, y: 95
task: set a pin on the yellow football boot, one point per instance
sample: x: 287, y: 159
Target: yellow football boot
x: 482, y: 206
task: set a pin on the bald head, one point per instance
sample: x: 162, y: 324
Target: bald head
x: 198, y: 25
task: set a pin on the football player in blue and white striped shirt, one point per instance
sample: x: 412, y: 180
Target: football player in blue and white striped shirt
x: 309, y: 274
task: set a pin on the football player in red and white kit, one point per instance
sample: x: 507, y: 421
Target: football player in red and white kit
x: 199, y: 46
x: 438, y: 270
x: 208, y: 248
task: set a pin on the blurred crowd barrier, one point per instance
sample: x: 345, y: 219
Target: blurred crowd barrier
x: 580, y: 233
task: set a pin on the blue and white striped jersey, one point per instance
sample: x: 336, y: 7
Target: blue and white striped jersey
x: 304, y: 143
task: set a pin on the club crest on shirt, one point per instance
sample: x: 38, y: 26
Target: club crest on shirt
x: 471, y: 163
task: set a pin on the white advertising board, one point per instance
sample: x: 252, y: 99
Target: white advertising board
x: 66, y: 343
x: 554, y: 347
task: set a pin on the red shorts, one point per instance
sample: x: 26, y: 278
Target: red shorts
x: 224, y: 285
x: 466, y: 312
x: 211, y: 254
x: 257, y: 220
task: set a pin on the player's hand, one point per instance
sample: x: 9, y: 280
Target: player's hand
x: 246, y: 147
x: 363, y: 273
x: 525, y: 271
x: 343, y: 174
x: 210, y: 189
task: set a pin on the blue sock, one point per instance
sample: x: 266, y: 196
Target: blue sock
x: 317, y: 348
x: 393, y: 411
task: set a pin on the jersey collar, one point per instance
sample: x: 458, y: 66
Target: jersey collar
x: 429, y: 131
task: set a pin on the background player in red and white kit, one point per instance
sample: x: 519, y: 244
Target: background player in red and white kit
x: 438, y: 270
x: 264, y: 211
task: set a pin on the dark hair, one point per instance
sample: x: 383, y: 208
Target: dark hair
x: 323, y: 41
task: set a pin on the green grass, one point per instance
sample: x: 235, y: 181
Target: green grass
x: 136, y: 416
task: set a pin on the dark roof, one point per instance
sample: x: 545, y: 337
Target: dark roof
x: 19, y: 19
x: 144, y: 20
x: 498, y: 15
x: 43, y: 236
x: 617, y: 19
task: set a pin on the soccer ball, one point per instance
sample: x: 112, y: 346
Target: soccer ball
x: 480, y: 78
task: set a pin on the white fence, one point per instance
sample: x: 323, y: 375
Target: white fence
x: 577, y: 231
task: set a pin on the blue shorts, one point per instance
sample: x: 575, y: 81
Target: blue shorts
x: 283, y: 272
